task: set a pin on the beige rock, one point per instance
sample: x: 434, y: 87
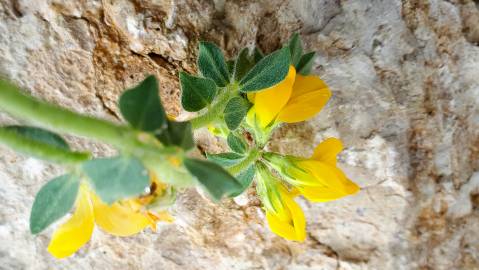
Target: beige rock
x: 404, y: 76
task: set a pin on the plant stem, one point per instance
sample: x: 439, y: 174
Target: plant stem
x: 215, y: 111
x: 61, y: 120
x: 253, y: 155
x: 40, y: 150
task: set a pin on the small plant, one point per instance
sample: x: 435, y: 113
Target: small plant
x: 242, y: 100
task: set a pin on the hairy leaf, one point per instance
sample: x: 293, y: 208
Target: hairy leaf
x: 269, y: 71
x: 141, y: 106
x: 54, y: 200
x: 196, y: 92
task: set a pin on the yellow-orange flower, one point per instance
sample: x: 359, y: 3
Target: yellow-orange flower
x: 317, y: 178
x: 122, y: 218
x: 285, y: 217
x: 295, y: 99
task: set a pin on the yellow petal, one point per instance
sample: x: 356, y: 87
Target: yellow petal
x: 305, y: 106
x: 306, y: 84
x: 327, y: 151
x: 120, y: 218
x: 316, y: 173
x: 288, y: 222
x: 74, y: 233
x: 337, y: 186
x: 269, y: 102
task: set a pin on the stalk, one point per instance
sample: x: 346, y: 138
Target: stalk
x: 40, y: 150
x: 61, y: 120
x: 253, y: 155
x: 216, y: 110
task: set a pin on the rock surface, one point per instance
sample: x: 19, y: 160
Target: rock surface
x: 405, y: 82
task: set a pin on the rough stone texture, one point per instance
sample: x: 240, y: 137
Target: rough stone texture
x: 405, y: 78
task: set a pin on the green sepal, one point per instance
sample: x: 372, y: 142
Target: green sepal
x: 227, y: 159
x: 211, y: 63
x: 243, y: 64
x: 269, y: 71
x: 236, y: 144
x: 54, y: 200
x: 235, y: 111
x: 305, y: 64
x: 213, y: 178
x: 178, y: 134
x: 245, y: 178
x: 141, y: 106
x: 296, y: 49
x: 196, y: 92
x: 40, y: 135
x: 117, y: 177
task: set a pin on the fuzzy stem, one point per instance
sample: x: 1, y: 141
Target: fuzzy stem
x: 61, y: 120
x: 215, y: 112
x: 40, y: 150
x: 253, y: 155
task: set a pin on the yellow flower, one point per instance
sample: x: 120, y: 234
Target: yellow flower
x: 122, y: 218
x: 318, y: 179
x: 295, y: 99
x: 285, y: 217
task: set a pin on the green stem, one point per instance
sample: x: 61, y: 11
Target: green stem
x: 216, y: 110
x: 40, y: 150
x: 61, y: 120
x: 253, y: 155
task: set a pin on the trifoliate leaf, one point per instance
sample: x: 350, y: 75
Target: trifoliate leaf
x: 211, y: 64
x: 117, y: 178
x: 40, y: 135
x: 177, y: 133
x: 235, y: 111
x: 245, y: 178
x: 225, y: 159
x: 213, y: 178
x: 236, y: 144
x: 196, y: 92
x: 243, y: 64
x: 305, y: 64
x: 141, y: 106
x: 296, y: 49
x: 54, y: 200
x: 269, y: 71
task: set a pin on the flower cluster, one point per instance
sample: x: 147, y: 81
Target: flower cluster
x: 279, y: 179
x: 242, y: 100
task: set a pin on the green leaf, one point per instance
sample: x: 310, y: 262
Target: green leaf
x: 177, y: 133
x: 53, y: 201
x: 236, y: 144
x: 216, y: 180
x: 235, y: 111
x: 196, y: 92
x: 257, y: 54
x: 245, y: 178
x: 243, y: 64
x: 211, y: 64
x: 40, y: 135
x: 225, y: 159
x: 305, y: 64
x: 141, y: 106
x: 231, y: 66
x: 117, y: 178
x: 296, y: 48
x: 269, y: 71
